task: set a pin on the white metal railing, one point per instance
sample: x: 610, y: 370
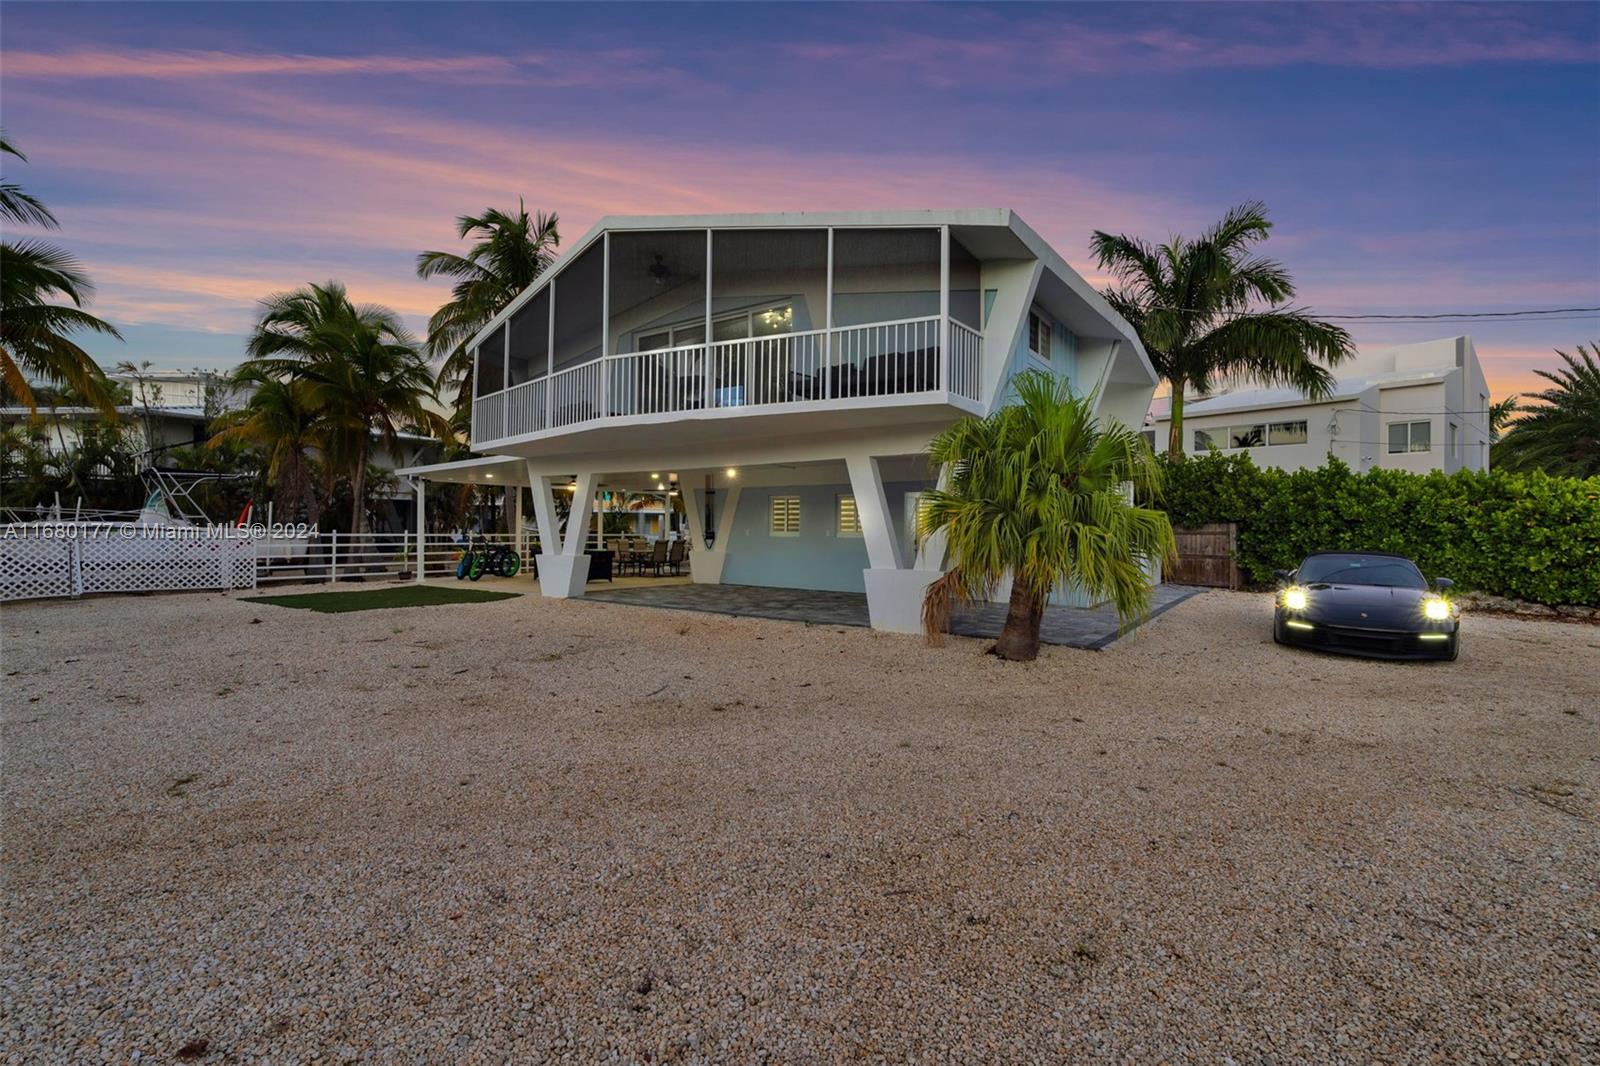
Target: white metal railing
x: 657, y: 382
x: 783, y: 368
x: 903, y: 357
x: 489, y: 416
x: 887, y: 358
x: 966, y: 361
x: 575, y: 394
x: 525, y: 410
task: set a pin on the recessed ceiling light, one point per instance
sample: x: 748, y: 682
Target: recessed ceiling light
x: 732, y: 472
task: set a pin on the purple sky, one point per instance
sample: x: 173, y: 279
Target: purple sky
x: 1417, y: 158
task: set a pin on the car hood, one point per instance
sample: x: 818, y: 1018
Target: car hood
x: 1365, y: 605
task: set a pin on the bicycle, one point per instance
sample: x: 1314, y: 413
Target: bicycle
x: 481, y: 557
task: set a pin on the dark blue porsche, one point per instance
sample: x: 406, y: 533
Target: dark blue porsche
x: 1366, y: 603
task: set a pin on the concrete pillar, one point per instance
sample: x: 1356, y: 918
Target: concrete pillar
x: 706, y: 564
x: 422, y: 528
x: 894, y: 593
x: 561, y: 576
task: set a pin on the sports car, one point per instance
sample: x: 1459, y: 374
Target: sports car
x: 1366, y: 603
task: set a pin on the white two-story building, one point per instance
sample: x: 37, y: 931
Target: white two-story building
x: 785, y: 372
x: 1416, y: 407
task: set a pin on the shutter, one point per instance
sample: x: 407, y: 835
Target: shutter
x: 785, y: 520
x: 849, y: 518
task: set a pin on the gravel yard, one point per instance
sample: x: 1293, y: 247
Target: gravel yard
x: 538, y: 830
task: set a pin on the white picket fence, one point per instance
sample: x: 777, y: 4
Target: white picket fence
x: 78, y: 561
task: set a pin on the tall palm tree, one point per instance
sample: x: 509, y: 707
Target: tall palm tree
x: 1197, y: 306
x: 360, y: 368
x: 1037, y: 491
x: 279, y: 419
x: 1561, y: 434
x: 35, y: 333
x: 508, y: 253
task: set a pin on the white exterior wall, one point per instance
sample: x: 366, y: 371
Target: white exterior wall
x: 1439, y: 382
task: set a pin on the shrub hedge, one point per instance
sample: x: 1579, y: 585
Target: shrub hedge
x: 1530, y: 536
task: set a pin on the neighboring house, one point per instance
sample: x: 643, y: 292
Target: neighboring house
x: 174, y: 409
x: 787, y: 371
x: 1416, y: 407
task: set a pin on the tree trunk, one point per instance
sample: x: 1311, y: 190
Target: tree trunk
x: 1175, y: 431
x: 358, y: 488
x: 1019, y: 640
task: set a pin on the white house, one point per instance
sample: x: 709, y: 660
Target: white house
x: 786, y: 371
x: 1416, y: 407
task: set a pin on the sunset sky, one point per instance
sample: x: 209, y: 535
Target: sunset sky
x: 1416, y: 158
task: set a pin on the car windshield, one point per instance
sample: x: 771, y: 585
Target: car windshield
x: 1383, y: 570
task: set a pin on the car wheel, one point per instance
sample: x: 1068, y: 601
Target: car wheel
x: 1277, y: 631
x: 1455, y: 649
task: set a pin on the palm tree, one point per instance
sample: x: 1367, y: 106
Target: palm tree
x: 1561, y: 435
x: 359, y: 367
x: 35, y: 334
x: 508, y: 253
x: 1502, y: 414
x: 1196, y: 307
x: 1037, y: 491
x: 281, y: 421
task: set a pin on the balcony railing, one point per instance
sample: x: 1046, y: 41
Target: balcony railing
x: 902, y: 358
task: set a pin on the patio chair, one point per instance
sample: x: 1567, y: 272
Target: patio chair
x: 675, y: 556
x: 658, y: 557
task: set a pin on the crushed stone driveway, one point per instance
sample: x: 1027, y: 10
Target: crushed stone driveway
x: 562, y: 831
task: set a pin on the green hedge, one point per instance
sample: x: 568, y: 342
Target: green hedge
x: 1529, y: 536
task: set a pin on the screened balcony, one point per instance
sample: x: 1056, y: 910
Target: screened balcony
x: 705, y: 324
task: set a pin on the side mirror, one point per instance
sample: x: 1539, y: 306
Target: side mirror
x: 1283, y: 575
x: 1442, y: 583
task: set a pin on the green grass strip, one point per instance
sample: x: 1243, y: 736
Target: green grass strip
x: 380, y: 599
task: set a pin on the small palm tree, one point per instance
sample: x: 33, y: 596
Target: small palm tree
x: 1038, y: 491
x: 359, y: 367
x: 1196, y: 307
x: 281, y: 421
x: 35, y: 331
x: 1561, y: 434
x: 509, y: 251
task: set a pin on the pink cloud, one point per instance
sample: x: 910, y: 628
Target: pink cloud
x: 608, y: 67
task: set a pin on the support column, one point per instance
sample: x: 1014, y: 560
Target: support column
x: 422, y: 528
x: 514, y: 498
x: 561, y: 576
x: 894, y: 593
x: 705, y: 564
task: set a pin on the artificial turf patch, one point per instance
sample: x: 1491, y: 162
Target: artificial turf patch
x: 379, y: 599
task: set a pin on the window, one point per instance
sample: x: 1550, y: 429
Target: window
x: 785, y: 516
x: 1286, y: 433
x: 1410, y: 437
x: 1038, y: 336
x: 849, y: 523
x: 1455, y: 445
x: 1149, y: 436
x: 1203, y: 441
x: 1247, y: 436
x: 760, y: 322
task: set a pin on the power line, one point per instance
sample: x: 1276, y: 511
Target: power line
x: 1472, y: 314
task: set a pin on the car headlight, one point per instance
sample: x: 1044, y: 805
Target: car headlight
x: 1294, y: 599
x: 1436, y: 609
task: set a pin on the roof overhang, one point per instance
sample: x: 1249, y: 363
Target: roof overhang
x: 484, y: 470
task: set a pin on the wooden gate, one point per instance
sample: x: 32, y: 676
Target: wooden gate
x: 1206, y: 556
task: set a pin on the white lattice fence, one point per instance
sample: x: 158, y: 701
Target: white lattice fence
x: 32, y: 568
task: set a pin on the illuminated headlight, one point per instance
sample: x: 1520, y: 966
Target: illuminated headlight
x: 1436, y: 609
x: 1295, y: 599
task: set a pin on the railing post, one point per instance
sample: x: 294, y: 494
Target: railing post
x: 827, y: 328
x: 944, y: 308
x: 605, y: 319
x: 505, y: 385
x: 333, y: 558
